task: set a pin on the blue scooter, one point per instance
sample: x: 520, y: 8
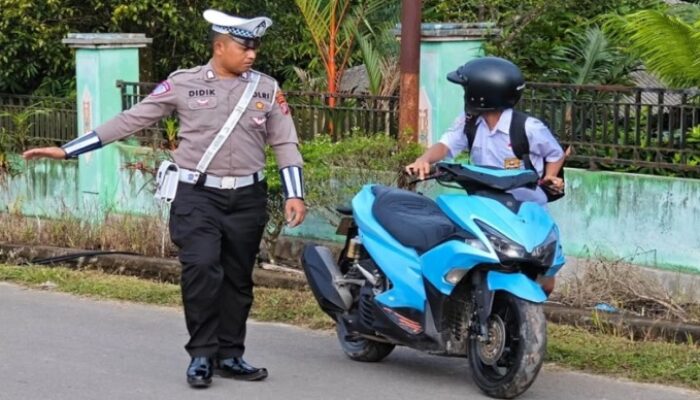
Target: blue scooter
x: 453, y: 277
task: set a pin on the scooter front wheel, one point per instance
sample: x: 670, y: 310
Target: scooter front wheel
x: 361, y: 349
x: 505, y: 365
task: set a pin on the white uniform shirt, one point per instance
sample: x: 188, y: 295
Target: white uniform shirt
x: 492, y: 148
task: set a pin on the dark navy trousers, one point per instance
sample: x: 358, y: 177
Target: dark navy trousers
x: 218, y: 233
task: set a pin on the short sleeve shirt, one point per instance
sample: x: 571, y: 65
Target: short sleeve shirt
x: 491, y: 148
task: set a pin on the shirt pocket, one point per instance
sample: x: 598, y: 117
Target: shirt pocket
x: 203, y: 111
x: 476, y: 155
x: 254, y: 119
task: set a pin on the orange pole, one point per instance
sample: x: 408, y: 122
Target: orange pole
x: 409, y: 61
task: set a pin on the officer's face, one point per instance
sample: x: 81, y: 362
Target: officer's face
x: 234, y: 57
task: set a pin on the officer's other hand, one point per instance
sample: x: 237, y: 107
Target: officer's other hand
x: 55, y: 153
x: 420, y: 167
x: 554, y: 183
x: 294, y: 212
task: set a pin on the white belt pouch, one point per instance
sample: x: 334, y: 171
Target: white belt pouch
x: 167, y: 180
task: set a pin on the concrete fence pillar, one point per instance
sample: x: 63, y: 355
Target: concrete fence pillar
x: 100, y: 60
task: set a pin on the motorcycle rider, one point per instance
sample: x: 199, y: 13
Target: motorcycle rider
x: 492, y: 87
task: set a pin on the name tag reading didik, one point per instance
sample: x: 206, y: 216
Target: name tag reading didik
x: 511, y: 163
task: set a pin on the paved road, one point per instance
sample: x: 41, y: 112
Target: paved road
x: 60, y: 347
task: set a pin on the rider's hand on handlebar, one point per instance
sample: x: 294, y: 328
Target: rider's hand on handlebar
x: 554, y: 183
x: 420, y: 167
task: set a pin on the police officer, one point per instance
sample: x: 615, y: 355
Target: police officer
x: 218, y: 216
x: 492, y: 87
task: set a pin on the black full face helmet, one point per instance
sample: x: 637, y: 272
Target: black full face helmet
x: 490, y: 84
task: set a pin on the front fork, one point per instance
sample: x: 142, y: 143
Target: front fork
x: 483, y: 303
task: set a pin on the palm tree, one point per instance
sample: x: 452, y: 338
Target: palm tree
x: 333, y: 25
x: 591, y: 59
x: 668, y: 41
x: 382, y: 65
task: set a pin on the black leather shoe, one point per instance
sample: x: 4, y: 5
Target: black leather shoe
x: 237, y: 368
x: 199, y: 372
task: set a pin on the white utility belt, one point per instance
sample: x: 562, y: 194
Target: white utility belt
x: 221, y: 182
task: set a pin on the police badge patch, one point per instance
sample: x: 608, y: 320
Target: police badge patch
x: 162, y: 88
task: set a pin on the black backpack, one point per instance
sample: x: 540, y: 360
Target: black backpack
x: 519, y: 144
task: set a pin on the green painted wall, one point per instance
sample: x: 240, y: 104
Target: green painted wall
x: 50, y: 189
x: 647, y: 220
x: 438, y: 58
x: 133, y: 189
x: 44, y: 189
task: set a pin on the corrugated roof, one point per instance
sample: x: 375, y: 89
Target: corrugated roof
x: 644, y: 79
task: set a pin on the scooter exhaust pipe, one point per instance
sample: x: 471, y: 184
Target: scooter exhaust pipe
x: 324, y: 278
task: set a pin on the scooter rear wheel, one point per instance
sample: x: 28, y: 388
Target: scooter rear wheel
x: 506, y: 365
x: 361, y: 349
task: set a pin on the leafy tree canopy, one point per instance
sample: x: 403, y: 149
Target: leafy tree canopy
x: 33, y: 59
x: 33, y: 56
x: 532, y: 30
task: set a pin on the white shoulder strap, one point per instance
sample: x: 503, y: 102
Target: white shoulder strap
x: 231, y: 122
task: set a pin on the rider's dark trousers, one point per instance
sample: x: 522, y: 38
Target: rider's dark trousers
x: 218, y: 232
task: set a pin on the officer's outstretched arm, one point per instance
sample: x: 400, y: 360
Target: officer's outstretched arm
x: 83, y: 144
x: 160, y: 103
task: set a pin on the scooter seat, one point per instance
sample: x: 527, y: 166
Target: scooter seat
x: 413, y: 220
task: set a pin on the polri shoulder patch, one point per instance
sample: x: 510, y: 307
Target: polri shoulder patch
x: 279, y: 98
x: 265, y: 77
x: 163, y: 88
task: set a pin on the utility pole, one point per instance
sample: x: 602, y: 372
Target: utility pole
x: 409, y: 62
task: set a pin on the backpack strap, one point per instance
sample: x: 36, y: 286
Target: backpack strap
x: 470, y: 129
x: 521, y: 149
x: 518, y: 138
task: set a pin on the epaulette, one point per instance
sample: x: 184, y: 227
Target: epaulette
x: 262, y: 75
x: 189, y: 70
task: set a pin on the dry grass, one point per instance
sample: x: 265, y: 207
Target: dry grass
x: 143, y: 235
x: 628, y: 288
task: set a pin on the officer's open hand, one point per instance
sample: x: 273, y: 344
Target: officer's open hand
x: 294, y: 212
x: 55, y: 153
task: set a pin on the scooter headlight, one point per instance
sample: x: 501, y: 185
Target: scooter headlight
x: 545, y: 252
x: 504, y: 247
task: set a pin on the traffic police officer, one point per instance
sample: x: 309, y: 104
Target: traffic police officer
x: 492, y: 87
x: 218, y: 216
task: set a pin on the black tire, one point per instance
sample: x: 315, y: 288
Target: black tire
x: 361, y: 349
x: 509, y: 372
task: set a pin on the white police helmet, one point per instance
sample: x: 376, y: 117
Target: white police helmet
x: 245, y: 31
